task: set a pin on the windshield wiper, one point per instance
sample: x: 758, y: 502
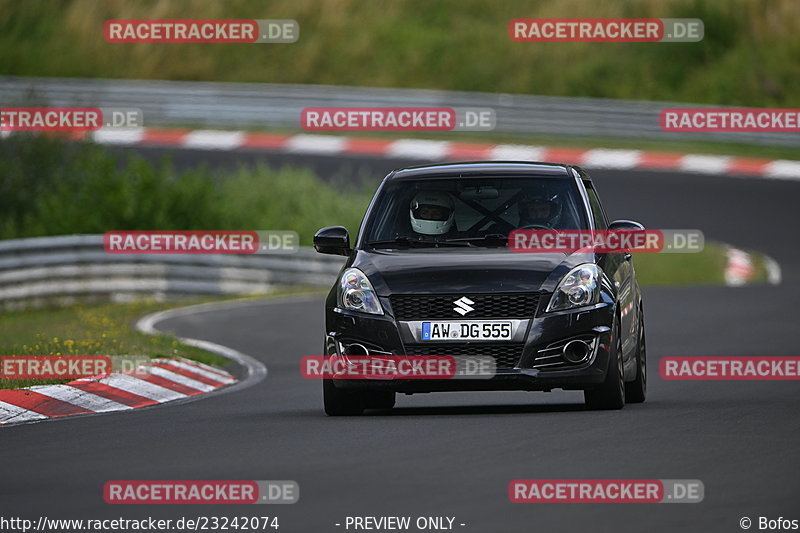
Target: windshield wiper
x: 405, y: 241
x: 490, y: 238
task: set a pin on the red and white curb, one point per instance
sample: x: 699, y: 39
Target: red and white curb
x: 159, y: 381
x: 173, y: 380
x: 447, y: 150
x: 739, y: 269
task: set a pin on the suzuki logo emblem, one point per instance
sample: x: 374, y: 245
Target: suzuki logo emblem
x: 463, y: 306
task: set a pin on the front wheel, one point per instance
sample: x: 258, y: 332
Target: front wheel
x: 636, y: 390
x: 340, y: 402
x: 611, y: 394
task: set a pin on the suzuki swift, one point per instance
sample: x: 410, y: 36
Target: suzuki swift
x: 432, y: 274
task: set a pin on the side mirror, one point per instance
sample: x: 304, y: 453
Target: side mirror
x: 629, y: 225
x: 332, y: 240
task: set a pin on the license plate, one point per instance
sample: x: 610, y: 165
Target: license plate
x: 467, y: 331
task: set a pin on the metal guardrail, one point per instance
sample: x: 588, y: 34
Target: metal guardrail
x: 265, y: 105
x: 74, y: 267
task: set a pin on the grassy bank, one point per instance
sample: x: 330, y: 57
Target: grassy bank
x: 747, y: 57
x: 704, y: 268
x: 52, y: 188
x: 88, y: 330
x: 98, y: 329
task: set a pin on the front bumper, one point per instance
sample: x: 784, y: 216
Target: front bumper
x: 530, y: 363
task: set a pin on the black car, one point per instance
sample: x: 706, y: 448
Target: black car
x: 433, y: 251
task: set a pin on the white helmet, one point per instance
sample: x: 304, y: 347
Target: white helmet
x: 432, y: 212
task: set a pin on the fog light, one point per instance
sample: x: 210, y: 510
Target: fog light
x: 356, y: 349
x: 576, y: 351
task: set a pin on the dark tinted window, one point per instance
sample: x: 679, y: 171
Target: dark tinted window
x: 597, y: 210
x: 475, y: 207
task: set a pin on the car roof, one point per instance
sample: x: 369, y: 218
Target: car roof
x: 486, y: 169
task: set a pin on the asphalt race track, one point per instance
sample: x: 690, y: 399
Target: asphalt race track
x: 454, y: 454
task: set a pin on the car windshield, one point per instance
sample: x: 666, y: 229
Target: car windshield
x: 471, y: 211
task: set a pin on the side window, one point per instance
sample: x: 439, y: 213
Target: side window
x: 597, y: 211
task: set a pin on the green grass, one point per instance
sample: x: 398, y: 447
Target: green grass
x: 88, y: 330
x: 748, y: 56
x: 99, y: 329
x: 704, y: 268
x: 51, y: 188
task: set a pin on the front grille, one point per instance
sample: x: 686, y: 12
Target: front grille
x: 505, y: 355
x: 430, y: 306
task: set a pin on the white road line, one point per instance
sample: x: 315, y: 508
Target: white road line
x: 209, y: 368
x: 87, y: 400
x: 255, y: 370
x: 11, y: 413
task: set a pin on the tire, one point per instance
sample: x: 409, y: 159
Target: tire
x: 636, y: 390
x: 611, y: 394
x: 340, y: 402
x: 379, y: 399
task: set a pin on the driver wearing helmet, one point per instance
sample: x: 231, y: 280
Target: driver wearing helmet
x: 432, y: 213
x: 538, y: 209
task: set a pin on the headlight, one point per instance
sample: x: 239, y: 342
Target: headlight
x: 356, y: 293
x: 580, y: 287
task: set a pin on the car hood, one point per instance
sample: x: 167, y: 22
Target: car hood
x: 447, y: 270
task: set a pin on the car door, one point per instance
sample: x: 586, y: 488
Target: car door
x: 619, y: 268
